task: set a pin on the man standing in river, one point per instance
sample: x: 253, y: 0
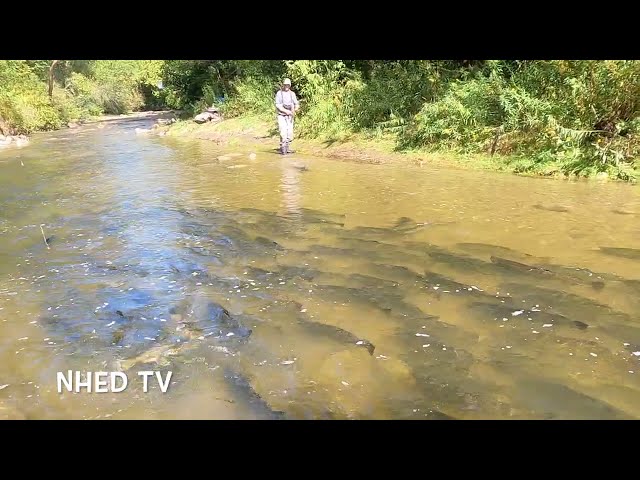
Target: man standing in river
x: 286, y: 106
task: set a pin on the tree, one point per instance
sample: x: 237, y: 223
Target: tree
x: 53, y: 64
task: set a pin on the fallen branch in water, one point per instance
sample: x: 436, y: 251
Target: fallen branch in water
x: 45, y: 238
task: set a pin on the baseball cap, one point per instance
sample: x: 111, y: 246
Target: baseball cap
x: 286, y: 81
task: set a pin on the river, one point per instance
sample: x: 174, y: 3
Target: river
x: 305, y: 288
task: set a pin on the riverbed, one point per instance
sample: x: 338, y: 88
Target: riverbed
x: 296, y: 287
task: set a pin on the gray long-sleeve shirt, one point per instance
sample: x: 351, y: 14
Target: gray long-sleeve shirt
x: 286, y: 100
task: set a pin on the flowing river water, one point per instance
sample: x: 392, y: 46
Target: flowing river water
x: 303, y: 288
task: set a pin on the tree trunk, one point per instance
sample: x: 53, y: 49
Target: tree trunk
x: 53, y: 64
x: 5, y: 128
x: 494, y: 144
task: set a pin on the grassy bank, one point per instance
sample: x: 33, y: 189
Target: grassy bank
x: 255, y: 133
x: 554, y: 118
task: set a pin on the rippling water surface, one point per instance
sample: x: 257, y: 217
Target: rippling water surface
x: 300, y: 287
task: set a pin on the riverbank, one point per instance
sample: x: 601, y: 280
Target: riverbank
x: 163, y: 117
x: 262, y: 135
x: 361, y: 148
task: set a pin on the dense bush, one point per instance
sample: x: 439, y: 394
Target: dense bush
x: 24, y: 103
x: 581, y: 115
x: 578, y: 117
x: 80, y: 89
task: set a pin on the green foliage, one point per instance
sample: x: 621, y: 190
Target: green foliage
x: 183, y: 81
x: 81, y: 88
x: 396, y: 90
x: 67, y: 106
x: 327, y: 90
x: 253, y: 95
x: 117, y: 83
x: 84, y: 94
x: 24, y: 102
x: 578, y: 115
x: 186, y: 82
x: 574, y: 117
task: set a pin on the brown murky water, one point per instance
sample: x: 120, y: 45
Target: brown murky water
x: 307, y: 288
